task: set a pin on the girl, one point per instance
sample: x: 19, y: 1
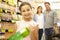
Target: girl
x: 39, y: 18
x: 27, y: 21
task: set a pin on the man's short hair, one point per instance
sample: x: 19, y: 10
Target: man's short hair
x: 47, y: 3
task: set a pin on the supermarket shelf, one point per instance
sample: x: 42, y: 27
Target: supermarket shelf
x: 7, y: 7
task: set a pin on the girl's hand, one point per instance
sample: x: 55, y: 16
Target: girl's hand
x: 34, y: 32
x: 32, y: 28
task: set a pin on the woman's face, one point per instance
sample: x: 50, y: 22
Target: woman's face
x: 39, y: 9
x: 26, y: 11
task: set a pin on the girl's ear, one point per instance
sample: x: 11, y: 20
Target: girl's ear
x: 20, y: 12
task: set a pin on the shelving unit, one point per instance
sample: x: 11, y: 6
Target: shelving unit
x: 7, y: 7
x: 7, y: 11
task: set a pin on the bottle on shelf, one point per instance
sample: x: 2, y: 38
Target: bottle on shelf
x: 0, y: 0
x: 1, y: 10
x: 0, y: 19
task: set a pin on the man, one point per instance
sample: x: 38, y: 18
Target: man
x: 50, y: 19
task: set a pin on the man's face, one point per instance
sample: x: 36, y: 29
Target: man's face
x: 47, y: 6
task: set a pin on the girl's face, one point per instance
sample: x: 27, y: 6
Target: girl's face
x: 26, y: 11
x: 39, y: 10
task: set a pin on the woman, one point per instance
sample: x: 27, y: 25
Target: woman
x: 39, y: 18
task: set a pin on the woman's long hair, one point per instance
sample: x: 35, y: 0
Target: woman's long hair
x: 38, y: 8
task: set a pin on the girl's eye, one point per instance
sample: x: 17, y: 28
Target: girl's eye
x: 23, y: 11
x: 28, y: 9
